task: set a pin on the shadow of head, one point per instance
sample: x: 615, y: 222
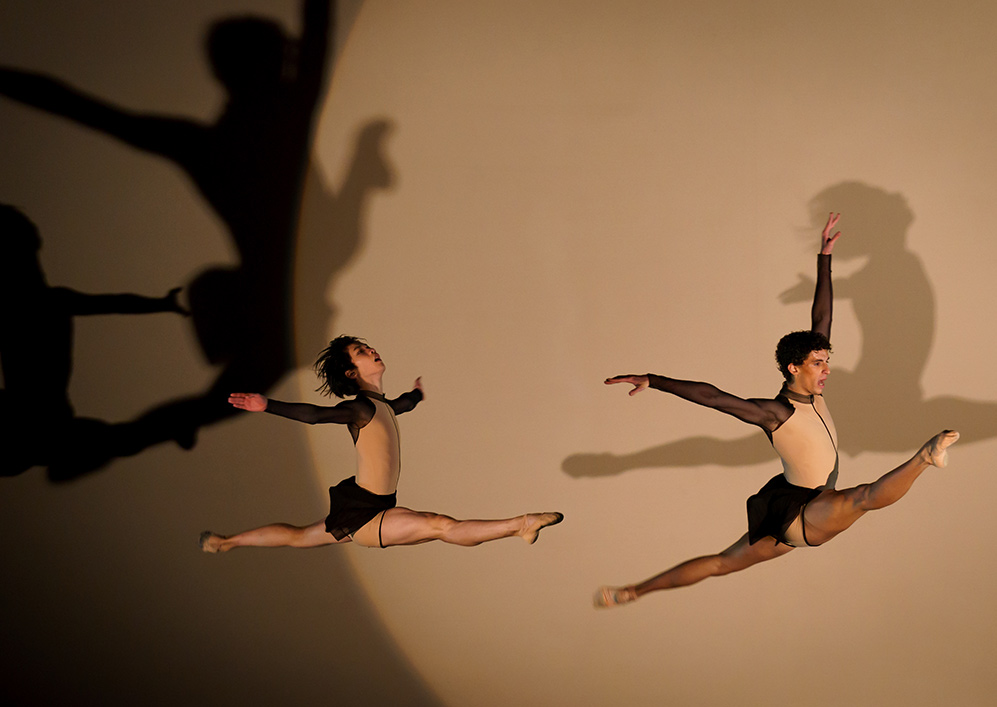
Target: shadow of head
x: 876, y: 220
x: 19, y: 246
x: 18, y: 233
x: 248, y: 54
x: 372, y: 166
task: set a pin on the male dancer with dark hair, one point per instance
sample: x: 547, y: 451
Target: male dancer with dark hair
x: 362, y: 507
x: 799, y: 507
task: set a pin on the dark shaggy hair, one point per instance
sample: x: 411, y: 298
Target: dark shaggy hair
x: 332, y: 365
x: 795, y: 347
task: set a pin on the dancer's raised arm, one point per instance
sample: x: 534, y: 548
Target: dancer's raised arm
x: 820, y: 312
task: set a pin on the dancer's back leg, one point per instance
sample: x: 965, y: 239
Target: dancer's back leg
x: 273, y: 535
x: 738, y: 556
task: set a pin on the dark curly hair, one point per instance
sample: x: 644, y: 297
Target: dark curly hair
x: 794, y: 348
x: 333, y: 364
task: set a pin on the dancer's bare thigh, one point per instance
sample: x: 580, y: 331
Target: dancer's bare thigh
x: 742, y: 555
x: 400, y: 526
x: 827, y: 515
x: 370, y: 534
x: 316, y: 535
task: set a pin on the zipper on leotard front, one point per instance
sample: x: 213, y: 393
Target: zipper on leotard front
x: 828, y: 429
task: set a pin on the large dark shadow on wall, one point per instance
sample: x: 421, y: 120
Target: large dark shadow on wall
x: 36, y: 344
x: 249, y: 166
x: 95, y: 619
x: 879, y: 405
x: 882, y: 401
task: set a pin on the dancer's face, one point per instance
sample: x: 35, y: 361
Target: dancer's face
x: 809, y: 377
x: 366, y: 361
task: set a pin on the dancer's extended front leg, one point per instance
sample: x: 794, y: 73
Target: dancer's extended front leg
x: 402, y: 526
x: 835, y: 511
x: 737, y: 557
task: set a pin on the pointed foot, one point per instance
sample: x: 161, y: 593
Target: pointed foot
x: 606, y: 597
x: 533, y: 523
x: 936, y: 448
x: 209, y: 542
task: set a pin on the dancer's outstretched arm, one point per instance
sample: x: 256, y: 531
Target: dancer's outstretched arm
x: 820, y: 312
x: 343, y: 413
x: 768, y: 414
x: 407, y: 401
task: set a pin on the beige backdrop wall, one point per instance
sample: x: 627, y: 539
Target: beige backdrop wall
x: 515, y: 201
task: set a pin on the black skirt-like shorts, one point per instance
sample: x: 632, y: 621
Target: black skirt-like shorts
x: 352, y: 507
x: 773, y: 509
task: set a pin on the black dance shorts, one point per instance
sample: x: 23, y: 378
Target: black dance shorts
x: 352, y: 507
x: 775, y: 507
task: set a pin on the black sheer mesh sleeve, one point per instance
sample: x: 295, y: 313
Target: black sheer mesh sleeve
x: 348, y: 412
x: 406, y: 401
x: 767, y: 414
x: 820, y: 313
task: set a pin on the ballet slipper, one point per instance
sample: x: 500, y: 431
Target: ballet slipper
x: 937, y: 447
x: 202, y: 542
x: 533, y: 523
x: 606, y: 597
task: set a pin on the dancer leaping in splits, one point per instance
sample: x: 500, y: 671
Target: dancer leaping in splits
x: 799, y: 507
x: 362, y: 507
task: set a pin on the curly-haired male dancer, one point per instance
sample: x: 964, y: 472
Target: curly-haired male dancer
x: 799, y: 507
x: 362, y: 507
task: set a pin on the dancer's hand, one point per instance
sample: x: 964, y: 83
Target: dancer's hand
x: 418, y: 386
x: 251, y: 402
x: 639, y: 383
x: 826, y: 239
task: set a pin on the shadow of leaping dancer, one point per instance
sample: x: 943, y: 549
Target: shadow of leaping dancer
x: 872, y: 403
x: 36, y: 342
x: 894, y: 303
x: 249, y: 166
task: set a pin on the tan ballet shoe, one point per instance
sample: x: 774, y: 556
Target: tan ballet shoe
x: 937, y: 447
x: 606, y: 597
x: 202, y: 542
x: 535, y: 522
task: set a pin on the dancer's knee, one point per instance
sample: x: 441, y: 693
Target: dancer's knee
x: 442, y: 526
x: 723, y: 564
x: 719, y: 565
